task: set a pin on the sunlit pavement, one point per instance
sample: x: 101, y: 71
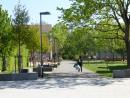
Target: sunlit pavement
x: 67, y: 87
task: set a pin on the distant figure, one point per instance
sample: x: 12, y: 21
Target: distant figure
x: 80, y: 62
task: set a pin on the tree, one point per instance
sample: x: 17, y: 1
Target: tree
x: 20, y: 20
x: 58, y: 37
x: 5, y: 37
x: 90, y: 12
x: 109, y: 37
x: 80, y: 42
x: 120, y: 9
x: 81, y: 13
x: 32, y: 40
x: 60, y: 32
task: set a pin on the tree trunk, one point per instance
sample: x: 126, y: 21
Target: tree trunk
x: 4, y: 63
x: 19, y: 62
x: 33, y: 57
x: 113, y: 56
x: 27, y: 61
x: 19, y: 54
x: 123, y: 55
x: 128, y: 56
x: 15, y: 63
x: 127, y: 43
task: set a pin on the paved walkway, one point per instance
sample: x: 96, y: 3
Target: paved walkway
x: 67, y: 87
x: 66, y: 69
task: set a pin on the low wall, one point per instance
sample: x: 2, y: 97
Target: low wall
x: 121, y: 73
x: 41, y: 70
x: 18, y: 76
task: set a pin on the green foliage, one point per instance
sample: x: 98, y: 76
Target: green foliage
x: 108, y: 36
x: 59, y: 33
x: 102, y: 17
x: 20, y: 20
x: 45, y: 42
x: 33, y: 38
x: 88, y: 41
x: 79, y: 42
x: 81, y: 12
x: 6, y: 44
x: 21, y: 15
x: 11, y: 59
x: 5, y: 32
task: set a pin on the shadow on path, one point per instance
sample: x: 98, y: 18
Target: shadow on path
x: 73, y: 75
x: 48, y: 83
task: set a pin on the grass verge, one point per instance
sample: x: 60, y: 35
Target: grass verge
x: 105, y: 68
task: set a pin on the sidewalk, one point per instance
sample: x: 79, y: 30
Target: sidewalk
x: 66, y: 69
x: 67, y: 87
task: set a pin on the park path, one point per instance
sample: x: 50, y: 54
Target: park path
x: 66, y: 69
x: 68, y: 87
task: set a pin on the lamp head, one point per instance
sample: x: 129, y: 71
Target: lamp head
x: 44, y: 13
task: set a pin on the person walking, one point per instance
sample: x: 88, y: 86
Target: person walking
x: 80, y: 62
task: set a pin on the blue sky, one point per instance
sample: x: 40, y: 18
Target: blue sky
x: 36, y: 6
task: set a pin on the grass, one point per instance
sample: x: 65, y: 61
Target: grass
x: 105, y: 68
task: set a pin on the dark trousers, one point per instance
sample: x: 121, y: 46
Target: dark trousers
x: 81, y: 68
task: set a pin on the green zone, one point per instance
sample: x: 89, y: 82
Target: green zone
x: 104, y: 68
x: 12, y: 60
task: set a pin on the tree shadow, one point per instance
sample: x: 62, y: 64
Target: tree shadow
x: 109, y: 69
x: 93, y: 62
x: 62, y: 81
x: 104, y: 67
x: 117, y: 67
x: 104, y: 71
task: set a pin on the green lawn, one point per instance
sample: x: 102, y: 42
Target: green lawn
x: 104, y: 68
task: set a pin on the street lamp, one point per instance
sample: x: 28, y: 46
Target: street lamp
x: 42, y: 13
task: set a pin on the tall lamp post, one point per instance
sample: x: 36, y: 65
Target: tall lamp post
x: 42, y: 13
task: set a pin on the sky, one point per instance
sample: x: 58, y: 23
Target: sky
x: 36, y: 6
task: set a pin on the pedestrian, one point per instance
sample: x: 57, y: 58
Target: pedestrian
x: 80, y: 62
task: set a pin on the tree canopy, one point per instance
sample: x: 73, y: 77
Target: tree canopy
x: 91, y: 13
x: 21, y: 18
x: 5, y: 36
